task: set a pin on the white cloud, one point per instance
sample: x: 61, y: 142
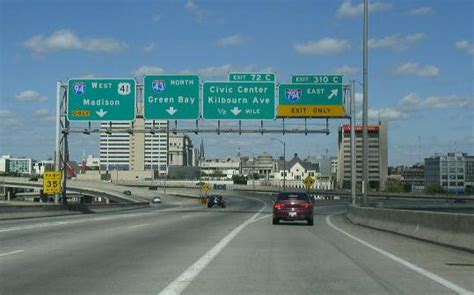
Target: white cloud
x: 149, y: 48
x: 156, y: 18
x: 346, y: 70
x: 147, y: 70
x: 465, y: 45
x: 416, y: 69
x: 88, y: 76
x: 5, y: 113
x: 45, y: 115
x: 422, y: 10
x: 413, y: 102
x: 386, y: 113
x: 323, y: 46
x: 396, y: 42
x: 233, y: 40
x: 359, y: 97
x: 31, y: 95
x: 216, y: 71
x: 347, y: 9
x: 222, y: 71
x: 41, y: 112
x: 198, y: 12
x: 67, y: 40
x: 11, y: 122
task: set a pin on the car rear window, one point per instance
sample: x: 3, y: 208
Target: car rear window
x: 293, y: 196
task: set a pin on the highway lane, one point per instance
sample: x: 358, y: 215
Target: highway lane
x: 234, y: 250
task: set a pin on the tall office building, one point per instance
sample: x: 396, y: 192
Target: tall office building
x: 378, y: 155
x: 136, y: 150
x: 133, y: 149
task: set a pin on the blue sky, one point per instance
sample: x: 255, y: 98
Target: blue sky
x: 420, y: 67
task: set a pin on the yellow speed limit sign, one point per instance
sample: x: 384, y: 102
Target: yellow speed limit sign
x: 206, y: 187
x: 308, y: 181
x: 52, y: 182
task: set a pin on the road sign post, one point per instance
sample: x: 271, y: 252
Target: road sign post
x: 310, y: 100
x: 52, y: 182
x: 308, y: 182
x: 206, y: 188
x: 101, y: 100
x: 171, y: 97
x: 238, y: 100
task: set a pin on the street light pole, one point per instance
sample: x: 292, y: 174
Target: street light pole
x: 365, y: 117
x: 284, y: 161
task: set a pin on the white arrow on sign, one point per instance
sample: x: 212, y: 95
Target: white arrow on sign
x: 101, y: 113
x: 333, y: 93
x: 171, y: 111
x: 235, y: 111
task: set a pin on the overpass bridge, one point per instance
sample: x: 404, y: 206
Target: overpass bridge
x: 112, y: 193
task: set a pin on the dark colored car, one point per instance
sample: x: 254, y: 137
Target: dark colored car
x: 128, y: 193
x: 293, y: 206
x: 215, y: 200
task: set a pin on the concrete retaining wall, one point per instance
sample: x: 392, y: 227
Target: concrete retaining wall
x: 30, y: 211
x: 449, y: 229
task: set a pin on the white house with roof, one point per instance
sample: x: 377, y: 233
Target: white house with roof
x: 297, y: 170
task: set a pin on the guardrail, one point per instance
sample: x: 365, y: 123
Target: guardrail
x: 347, y: 194
x: 450, y: 229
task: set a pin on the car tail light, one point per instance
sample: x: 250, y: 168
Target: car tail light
x: 308, y: 206
x: 278, y: 206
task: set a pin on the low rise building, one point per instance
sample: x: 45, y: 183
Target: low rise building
x: 452, y: 171
x: 42, y: 166
x: 16, y: 165
x: 220, y: 168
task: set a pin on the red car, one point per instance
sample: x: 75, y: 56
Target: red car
x: 293, y: 206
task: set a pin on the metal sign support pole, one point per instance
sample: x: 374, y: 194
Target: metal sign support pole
x: 353, y: 145
x: 57, y: 147
x: 65, y: 160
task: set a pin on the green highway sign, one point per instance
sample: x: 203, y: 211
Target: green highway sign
x: 317, y: 79
x: 310, y: 100
x: 101, y: 100
x: 252, y: 77
x: 171, y: 97
x: 238, y: 100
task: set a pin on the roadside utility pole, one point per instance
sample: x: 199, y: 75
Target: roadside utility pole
x: 365, y: 116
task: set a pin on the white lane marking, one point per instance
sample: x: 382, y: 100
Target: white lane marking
x: 416, y: 268
x: 56, y: 223
x: 260, y: 218
x: 182, y: 281
x: 138, y: 225
x: 11, y: 252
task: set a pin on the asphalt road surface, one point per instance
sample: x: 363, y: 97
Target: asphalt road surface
x: 182, y: 247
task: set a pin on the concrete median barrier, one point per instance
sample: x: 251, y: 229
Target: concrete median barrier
x: 451, y: 229
x: 32, y: 211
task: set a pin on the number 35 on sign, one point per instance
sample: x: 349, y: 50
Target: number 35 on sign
x: 52, y: 182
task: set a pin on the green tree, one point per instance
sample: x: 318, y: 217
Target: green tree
x: 239, y: 179
x: 434, y: 188
x: 394, y: 186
